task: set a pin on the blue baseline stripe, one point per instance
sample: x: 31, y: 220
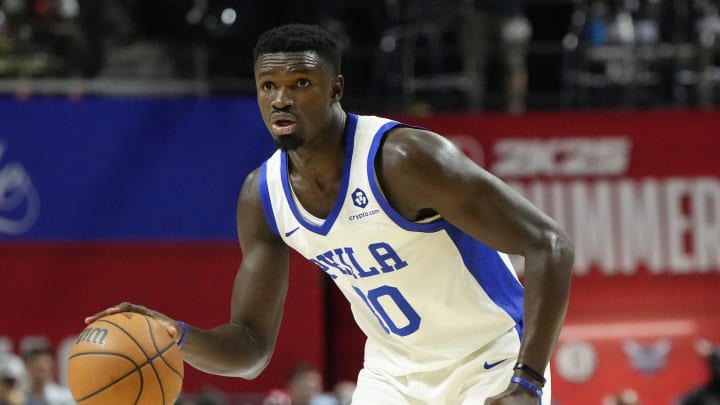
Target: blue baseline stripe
x: 265, y: 199
x: 488, y: 268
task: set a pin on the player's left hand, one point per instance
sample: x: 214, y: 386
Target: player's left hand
x: 514, y: 395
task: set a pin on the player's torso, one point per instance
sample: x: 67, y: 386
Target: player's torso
x: 422, y: 304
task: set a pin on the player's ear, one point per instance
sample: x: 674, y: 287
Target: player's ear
x: 338, y: 87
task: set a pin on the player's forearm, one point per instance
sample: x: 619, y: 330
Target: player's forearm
x: 548, y: 270
x: 228, y: 350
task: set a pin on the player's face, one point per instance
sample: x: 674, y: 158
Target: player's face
x: 40, y: 367
x: 296, y: 92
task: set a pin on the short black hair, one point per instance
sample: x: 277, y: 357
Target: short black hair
x: 300, y: 38
x: 36, y: 352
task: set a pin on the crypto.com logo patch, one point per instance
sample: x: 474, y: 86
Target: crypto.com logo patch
x: 19, y: 201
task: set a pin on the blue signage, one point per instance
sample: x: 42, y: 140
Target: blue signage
x: 118, y: 169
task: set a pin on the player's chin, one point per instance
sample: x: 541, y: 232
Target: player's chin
x: 289, y: 142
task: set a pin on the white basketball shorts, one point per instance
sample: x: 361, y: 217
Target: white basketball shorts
x: 479, y: 376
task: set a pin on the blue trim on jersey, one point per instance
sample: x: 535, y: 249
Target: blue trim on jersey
x: 330, y: 220
x: 265, y: 199
x: 396, y: 217
x: 488, y: 268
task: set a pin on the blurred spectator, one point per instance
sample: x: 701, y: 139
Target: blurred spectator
x: 709, y: 393
x: 277, y: 396
x: 185, y: 400
x: 97, y: 20
x: 627, y: 396
x: 498, y: 27
x: 43, y: 38
x: 210, y: 396
x: 304, y: 387
x: 647, y: 22
x: 42, y: 389
x: 621, y: 26
x: 12, y: 372
x: 344, y: 391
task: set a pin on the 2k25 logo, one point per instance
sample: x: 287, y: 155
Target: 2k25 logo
x: 359, y: 198
x: 19, y: 201
x: 604, y: 156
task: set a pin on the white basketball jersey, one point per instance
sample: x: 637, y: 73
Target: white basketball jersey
x: 425, y: 294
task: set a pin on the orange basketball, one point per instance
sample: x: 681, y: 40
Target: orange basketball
x: 125, y: 359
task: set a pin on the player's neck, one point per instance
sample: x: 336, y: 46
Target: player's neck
x: 323, y: 157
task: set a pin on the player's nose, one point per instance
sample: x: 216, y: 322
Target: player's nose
x: 283, y: 98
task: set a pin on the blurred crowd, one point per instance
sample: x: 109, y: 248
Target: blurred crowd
x: 414, y: 55
x: 29, y: 379
x: 304, y: 386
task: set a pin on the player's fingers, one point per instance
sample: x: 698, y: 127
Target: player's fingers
x: 124, y: 307
x: 170, y: 327
x: 165, y: 321
x: 93, y: 318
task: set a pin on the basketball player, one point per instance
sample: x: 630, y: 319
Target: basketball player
x: 408, y: 228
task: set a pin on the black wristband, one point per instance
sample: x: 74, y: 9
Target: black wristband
x: 531, y: 371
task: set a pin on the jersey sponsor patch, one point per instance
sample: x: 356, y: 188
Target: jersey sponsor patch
x: 359, y: 198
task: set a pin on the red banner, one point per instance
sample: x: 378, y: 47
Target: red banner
x: 48, y: 289
x: 639, y: 193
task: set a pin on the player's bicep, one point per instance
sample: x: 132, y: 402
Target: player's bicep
x: 491, y: 211
x: 261, y: 283
x: 435, y: 174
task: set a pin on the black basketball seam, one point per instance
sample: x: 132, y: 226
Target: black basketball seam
x: 152, y: 339
x: 105, y: 353
x: 101, y: 389
x: 179, y: 374
x: 128, y: 335
x: 142, y: 385
x: 138, y: 368
x: 147, y: 357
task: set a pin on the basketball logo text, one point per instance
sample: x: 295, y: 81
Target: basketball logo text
x: 93, y: 335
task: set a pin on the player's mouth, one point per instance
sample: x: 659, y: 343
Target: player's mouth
x: 283, y: 125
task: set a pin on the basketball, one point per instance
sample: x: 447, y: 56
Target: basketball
x: 125, y: 358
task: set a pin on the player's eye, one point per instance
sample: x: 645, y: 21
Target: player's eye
x: 267, y: 86
x: 302, y: 83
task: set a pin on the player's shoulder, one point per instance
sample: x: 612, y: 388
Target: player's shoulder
x: 253, y: 178
x: 408, y: 144
x: 250, y: 190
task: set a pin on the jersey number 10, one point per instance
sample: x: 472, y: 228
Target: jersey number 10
x: 409, y: 325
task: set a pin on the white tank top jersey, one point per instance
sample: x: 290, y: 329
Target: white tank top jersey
x: 425, y: 294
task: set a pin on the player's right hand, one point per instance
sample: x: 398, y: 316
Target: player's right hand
x: 168, y: 323
x: 513, y: 395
